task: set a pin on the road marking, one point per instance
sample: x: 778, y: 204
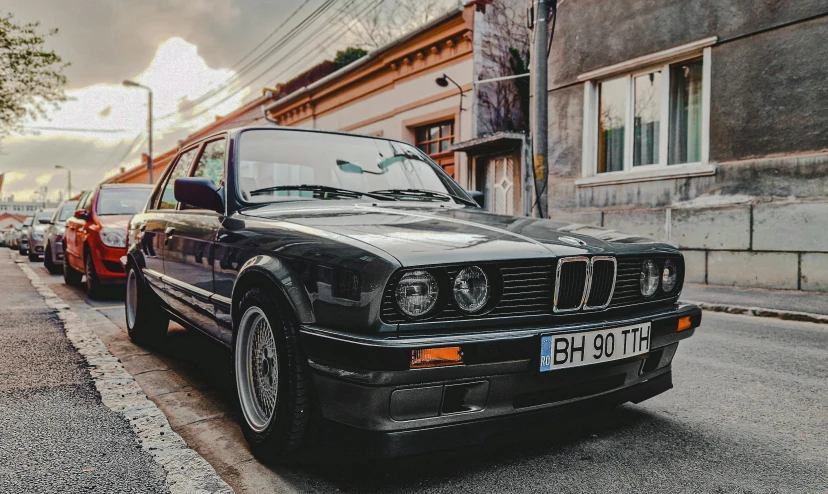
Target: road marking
x: 187, y: 471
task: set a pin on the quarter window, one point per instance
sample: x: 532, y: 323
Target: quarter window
x: 180, y: 169
x: 652, y: 117
x: 211, y: 162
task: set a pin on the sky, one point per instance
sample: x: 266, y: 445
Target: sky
x: 180, y: 48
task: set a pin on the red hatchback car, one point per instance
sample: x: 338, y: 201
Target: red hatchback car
x: 95, y: 238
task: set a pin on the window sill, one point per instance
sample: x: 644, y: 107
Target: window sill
x: 648, y: 174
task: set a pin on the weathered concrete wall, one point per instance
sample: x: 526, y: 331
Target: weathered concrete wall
x: 769, y: 93
x: 591, y: 34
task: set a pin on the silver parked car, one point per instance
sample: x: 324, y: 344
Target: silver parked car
x: 53, y: 252
x: 23, y: 236
x: 37, y: 233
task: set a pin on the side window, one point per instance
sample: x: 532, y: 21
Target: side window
x: 180, y: 169
x: 83, y: 202
x: 211, y: 162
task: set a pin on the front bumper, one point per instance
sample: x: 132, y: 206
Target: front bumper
x: 36, y: 246
x: 366, y: 391
x: 108, y: 265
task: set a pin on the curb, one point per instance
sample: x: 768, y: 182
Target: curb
x: 186, y: 470
x: 788, y: 315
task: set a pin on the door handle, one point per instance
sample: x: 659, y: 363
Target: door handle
x: 170, y: 231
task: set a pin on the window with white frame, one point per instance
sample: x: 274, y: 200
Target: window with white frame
x: 654, y: 116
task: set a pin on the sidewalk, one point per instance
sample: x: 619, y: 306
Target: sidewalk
x: 784, y: 304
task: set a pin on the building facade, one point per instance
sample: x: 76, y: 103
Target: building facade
x: 703, y: 124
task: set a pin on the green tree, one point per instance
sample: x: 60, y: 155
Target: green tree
x: 348, y: 56
x: 31, y: 77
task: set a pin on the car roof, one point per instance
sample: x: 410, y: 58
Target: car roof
x: 234, y: 132
x: 127, y: 186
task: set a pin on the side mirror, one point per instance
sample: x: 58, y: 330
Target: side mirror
x: 82, y: 214
x: 478, y: 197
x: 199, y: 192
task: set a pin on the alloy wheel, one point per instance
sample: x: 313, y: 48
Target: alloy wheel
x: 131, y: 298
x: 257, y: 369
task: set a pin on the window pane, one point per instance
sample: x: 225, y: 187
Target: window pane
x: 421, y: 134
x: 433, y: 133
x: 211, y: 163
x: 444, y: 145
x: 432, y: 148
x: 182, y: 166
x: 612, y: 114
x: 684, y: 144
x: 647, y: 119
x: 445, y: 130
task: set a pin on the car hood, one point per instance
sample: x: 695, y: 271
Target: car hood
x: 114, y: 220
x: 420, y: 235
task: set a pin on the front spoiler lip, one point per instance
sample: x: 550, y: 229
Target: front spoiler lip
x: 387, y: 340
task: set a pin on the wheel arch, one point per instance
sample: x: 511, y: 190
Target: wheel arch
x: 269, y: 272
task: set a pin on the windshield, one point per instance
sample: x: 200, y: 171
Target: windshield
x: 121, y: 200
x: 28, y: 221
x: 44, y: 216
x: 67, y: 211
x: 282, y: 159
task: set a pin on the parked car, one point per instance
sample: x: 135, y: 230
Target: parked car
x: 354, y: 280
x: 53, y: 252
x: 95, y: 236
x: 23, y: 236
x: 37, y: 233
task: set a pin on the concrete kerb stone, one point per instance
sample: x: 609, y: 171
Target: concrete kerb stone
x: 788, y: 315
x: 187, y: 471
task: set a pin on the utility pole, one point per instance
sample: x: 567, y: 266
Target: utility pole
x: 68, y: 179
x: 541, y: 123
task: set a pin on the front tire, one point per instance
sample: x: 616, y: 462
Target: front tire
x: 271, y: 375
x: 147, y: 322
x: 70, y: 276
x: 48, y: 262
x: 32, y: 256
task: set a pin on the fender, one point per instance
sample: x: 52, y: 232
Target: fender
x: 282, y: 277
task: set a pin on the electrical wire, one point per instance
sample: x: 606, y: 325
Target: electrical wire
x: 256, y: 61
x: 367, y: 10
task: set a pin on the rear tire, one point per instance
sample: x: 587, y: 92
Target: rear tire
x: 70, y: 276
x: 147, y: 322
x: 93, y: 284
x: 22, y: 251
x: 272, y: 378
x: 48, y: 262
x: 32, y: 257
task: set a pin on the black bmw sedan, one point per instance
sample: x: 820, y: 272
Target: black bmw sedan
x: 364, y: 295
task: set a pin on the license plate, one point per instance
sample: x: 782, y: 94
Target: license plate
x: 565, y: 350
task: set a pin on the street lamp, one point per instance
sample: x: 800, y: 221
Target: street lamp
x: 128, y: 83
x: 69, y: 182
x: 443, y: 81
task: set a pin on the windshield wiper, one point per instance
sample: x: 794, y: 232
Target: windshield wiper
x: 323, y: 189
x: 422, y: 194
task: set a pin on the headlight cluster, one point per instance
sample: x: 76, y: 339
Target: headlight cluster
x: 417, y: 293
x: 651, y: 278
x: 113, y: 237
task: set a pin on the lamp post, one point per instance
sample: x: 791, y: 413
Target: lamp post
x: 443, y: 81
x: 69, y: 179
x: 128, y: 83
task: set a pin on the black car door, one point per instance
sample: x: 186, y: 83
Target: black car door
x: 189, y: 237
x: 153, y: 238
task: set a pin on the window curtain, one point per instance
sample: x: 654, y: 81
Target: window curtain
x: 684, y: 145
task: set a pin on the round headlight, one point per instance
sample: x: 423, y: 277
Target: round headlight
x: 471, y: 289
x: 416, y: 293
x: 669, y: 276
x: 649, y: 278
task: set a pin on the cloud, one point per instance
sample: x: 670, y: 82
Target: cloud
x: 177, y: 74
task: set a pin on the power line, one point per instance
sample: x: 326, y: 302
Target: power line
x: 78, y: 129
x: 258, y: 60
x: 333, y: 35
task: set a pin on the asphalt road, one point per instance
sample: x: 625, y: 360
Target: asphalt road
x: 748, y: 413
x: 55, y: 434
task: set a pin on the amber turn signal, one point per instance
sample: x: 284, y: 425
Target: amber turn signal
x: 684, y: 323
x: 436, y: 357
